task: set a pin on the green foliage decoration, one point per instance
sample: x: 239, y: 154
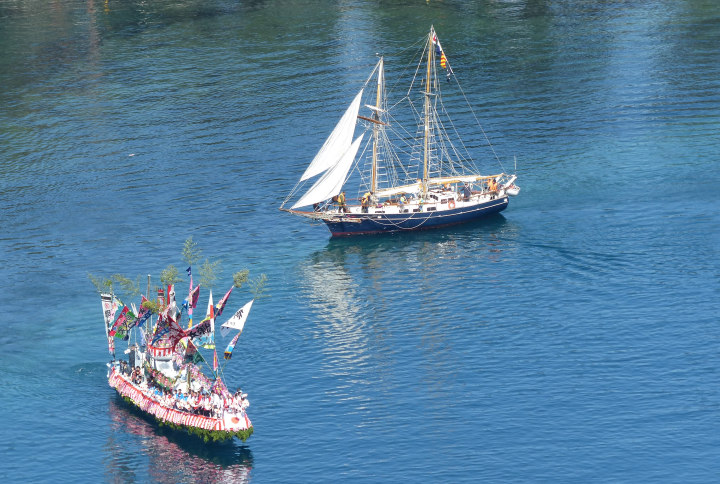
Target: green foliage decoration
x: 169, y: 275
x: 208, y: 273
x: 258, y: 286
x: 102, y: 285
x: 153, y: 306
x: 128, y: 287
x: 191, y: 253
x: 240, y: 278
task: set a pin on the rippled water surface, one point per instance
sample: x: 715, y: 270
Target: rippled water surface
x: 572, y: 339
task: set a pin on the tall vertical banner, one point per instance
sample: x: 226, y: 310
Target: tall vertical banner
x: 106, y: 300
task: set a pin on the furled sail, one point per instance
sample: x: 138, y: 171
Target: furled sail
x: 332, y: 180
x: 337, y: 143
x: 389, y: 192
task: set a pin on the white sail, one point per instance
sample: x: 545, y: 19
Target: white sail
x: 337, y: 143
x: 332, y: 180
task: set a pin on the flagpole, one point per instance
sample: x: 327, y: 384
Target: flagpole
x: 224, y: 365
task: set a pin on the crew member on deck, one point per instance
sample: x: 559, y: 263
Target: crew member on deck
x: 341, y: 202
x: 365, y: 202
x: 492, y: 187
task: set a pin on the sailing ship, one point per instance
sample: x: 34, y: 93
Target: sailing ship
x: 405, y: 181
x: 162, y: 374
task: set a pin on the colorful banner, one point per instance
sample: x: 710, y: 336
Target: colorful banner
x: 221, y: 305
x: 143, y: 315
x: 193, y: 296
x: 106, y: 300
x: 443, y: 59
x: 122, y: 318
x: 231, y: 347
x: 167, y: 328
x: 207, y: 341
x: 201, y: 329
x: 162, y: 328
x: 237, y: 321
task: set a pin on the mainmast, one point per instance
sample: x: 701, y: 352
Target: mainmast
x: 376, y: 126
x: 428, y: 93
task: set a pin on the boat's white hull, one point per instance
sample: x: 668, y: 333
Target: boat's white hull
x: 228, y: 424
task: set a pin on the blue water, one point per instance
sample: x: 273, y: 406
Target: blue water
x: 572, y: 339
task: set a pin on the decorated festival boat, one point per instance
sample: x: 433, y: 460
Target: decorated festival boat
x: 160, y: 372
x: 405, y: 178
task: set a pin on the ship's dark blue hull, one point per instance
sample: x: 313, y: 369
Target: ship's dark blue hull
x: 376, y: 223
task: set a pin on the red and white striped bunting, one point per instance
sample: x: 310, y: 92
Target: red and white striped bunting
x: 166, y: 414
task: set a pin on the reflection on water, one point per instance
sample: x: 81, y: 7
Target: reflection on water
x: 170, y: 455
x: 370, y: 293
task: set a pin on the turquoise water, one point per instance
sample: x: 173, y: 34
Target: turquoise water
x: 572, y: 339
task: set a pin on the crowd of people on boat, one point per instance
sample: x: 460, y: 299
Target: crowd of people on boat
x: 206, y: 402
x: 464, y: 192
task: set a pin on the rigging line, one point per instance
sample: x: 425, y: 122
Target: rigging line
x: 197, y: 347
x: 417, y: 70
x: 478, y: 123
x: 292, y: 192
x: 404, y: 130
x: 223, y: 367
x: 400, y: 77
x: 402, y: 99
x: 389, y: 222
x: 452, y: 124
x: 393, y: 162
x: 377, y: 64
x: 464, y: 157
x: 356, y: 166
